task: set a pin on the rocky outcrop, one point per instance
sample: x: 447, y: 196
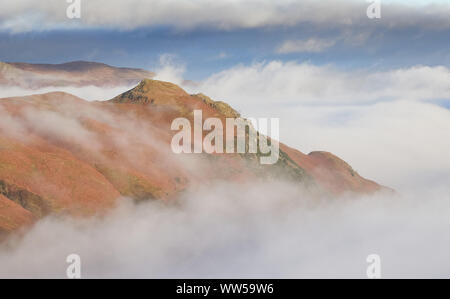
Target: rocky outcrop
x: 26, y: 199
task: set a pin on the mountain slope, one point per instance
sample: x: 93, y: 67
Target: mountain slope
x: 12, y: 216
x: 61, y: 154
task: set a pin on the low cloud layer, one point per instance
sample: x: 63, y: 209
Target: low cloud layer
x: 245, y: 231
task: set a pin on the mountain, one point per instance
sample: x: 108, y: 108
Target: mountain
x: 62, y: 155
x: 76, y: 73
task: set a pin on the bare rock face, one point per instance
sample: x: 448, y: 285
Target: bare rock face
x: 62, y: 155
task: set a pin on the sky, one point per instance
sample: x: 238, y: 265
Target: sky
x: 210, y: 36
x: 375, y: 92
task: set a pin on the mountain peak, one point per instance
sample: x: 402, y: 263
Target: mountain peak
x: 149, y: 91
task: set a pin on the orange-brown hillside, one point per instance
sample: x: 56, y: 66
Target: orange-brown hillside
x: 61, y: 154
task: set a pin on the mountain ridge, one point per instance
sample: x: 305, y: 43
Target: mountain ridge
x: 70, y: 156
x: 74, y: 73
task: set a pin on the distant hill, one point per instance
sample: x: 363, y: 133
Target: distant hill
x: 76, y: 73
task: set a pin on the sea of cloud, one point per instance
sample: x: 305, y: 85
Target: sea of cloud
x: 258, y: 231
x: 386, y: 124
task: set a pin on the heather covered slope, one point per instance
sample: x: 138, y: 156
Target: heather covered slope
x: 60, y: 154
x: 12, y: 216
x: 76, y: 73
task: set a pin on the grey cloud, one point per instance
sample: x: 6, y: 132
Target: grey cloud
x: 312, y: 45
x: 29, y: 15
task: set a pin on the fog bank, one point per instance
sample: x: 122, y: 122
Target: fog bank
x: 245, y: 231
